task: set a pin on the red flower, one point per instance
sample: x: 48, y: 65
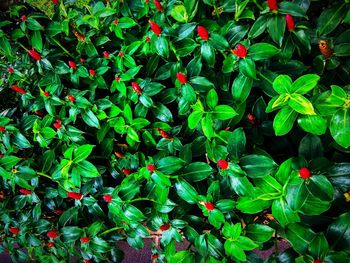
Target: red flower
x: 240, y: 51
x: 87, y: 261
x: 148, y: 39
x: 55, y: 2
x: 34, y: 54
x: 57, y: 125
x: 181, y: 77
x: 108, y: 198
x: 126, y: 171
x: 164, y: 134
x: 10, y: 70
x: 82, y: 60
x: 155, y: 28
x: 58, y: 211
x: 39, y: 113
x: 272, y: 4
x: 317, y: 261
x: 290, y: 22
x: 304, y: 173
x: 46, y: 93
x: 164, y: 227
x: 72, y: 64
x: 117, y: 78
x: 24, y: 18
x: 53, y: 234
x: 50, y: 244
x: 14, y: 230
x: 106, y: 55
x: 92, y: 72
x: 154, y: 256
x: 2, y: 129
x: 84, y: 240
x: 71, y: 98
x: 25, y: 191
x: 158, y: 5
x: 58, y: 121
x: 121, y: 54
x: 136, y: 87
x: 116, y: 22
x: 151, y: 168
x: 18, y: 89
x: 202, y: 32
x: 223, y: 164
x: 75, y: 196
x: 209, y: 206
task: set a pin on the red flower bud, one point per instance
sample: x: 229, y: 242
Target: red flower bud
x: 151, y: 168
x: 39, y: 113
x: 126, y: 171
x: 272, y: 4
x: 116, y: 22
x: 84, y: 240
x: 58, y: 121
x: 72, y: 64
x: 55, y: 2
x: 50, y: 244
x: 119, y: 154
x: 290, y: 22
x: 57, y: 125
x: 92, y: 72
x: 121, y: 54
x: 106, y: 55
x: 10, y: 70
x: 317, y: 261
x: 223, y: 164
x: 71, y: 98
x: 240, y: 51
x: 136, y: 87
x: 164, y: 227
x: 154, y: 256
x: 304, y: 173
x: 24, y: 18
x: 209, y: 206
x: 148, y: 39
x: 75, y: 196
x: 117, y: 78
x: 53, y: 234
x: 2, y: 129
x: 146, y: 1
x: 82, y: 60
x: 158, y: 5
x: 155, y: 28
x: 25, y: 191
x: 14, y: 230
x: 58, y: 211
x: 34, y: 54
x: 202, y: 32
x: 181, y: 77
x: 46, y: 93
x: 164, y: 134
x: 18, y: 89
x: 87, y: 261
x: 108, y: 198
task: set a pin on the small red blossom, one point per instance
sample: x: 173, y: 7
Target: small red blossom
x: 181, y: 77
x: 209, y: 206
x: 305, y: 173
x: 117, y: 78
x: 71, y: 98
x: 223, y: 164
x: 85, y: 240
x: 39, y: 113
x: 164, y: 134
x: 14, y: 230
x: 272, y: 4
x: 58, y: 211
x: 57, y: 125
x: 227, y: 128
x: 87, y: 261
x: 108, y: 198
x: 75, y: 196
x: 317, y: 261
x: 25, y: 191
x: 151, y: 168
x: 155, y: 28
x: 136, y: 87
x: 158, y: 5
x: 53, y: 234
x: 55, y: 2
x: 24, y: 18
x: 92, y: 72
x: 164, y: 227
x: 18, y: 89
x: 72, y: 64
x: 126, y: 171
x: 202, y: 32
x: 290, y: 22
x: 148, y: 39
x: 82, y: 60
x: 2, y: 129
x: 50, y: 244
x: 10, y: 70
x: 240, y: 51
x: 34, y: 54
x: 154, y: 256
x: 121, y: 54
x: 146, y: 1
x: 116, y: 22
x: 46, y: 93
x: 58, y: 121
x: 105, y: 54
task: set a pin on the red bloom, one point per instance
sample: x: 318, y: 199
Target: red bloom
x: 106, y: 55
x: 202, y: 32
x: 116, y: 22
x: 240, y: 51
x: 304, y: 173
x: 151, y: 168
x: 25, y: 191
x: 117, y: 78
x: 58, y: 121
x: 50, y: 244
x: 290, y: 22
x: 87, y: 261
x: 154, y: 256
x: 84, y: 240
x: 155, y: 28
x: 317, y: 261
x: 158, y: 5
x: 46, y: 93
x: 14, y: 230
x: 2, y: 129
x: 164, y: 227
x: 126, y: 171
x: 34, y: 54
x: 209, y: 206
x: 10, y: 70
x: 272, y: 4
x: 71, y: 98
x: 92, y: 72
x: 24, y: 18
x: 72, y: 64
x: 82, y: 60
x: 108, y: 198
x: 75, y: 196
x: 148, y: 39
x: 57, y: 125
x: 58, y: 211
x: 223, y: 164
x: 136, y: 87
x: 121, y: 54
x: 53, y: 234
x: 55, y: 2
x: 164, y: 134
x: 18, y: 89
x: 39, y: 113
x: 181, y: 77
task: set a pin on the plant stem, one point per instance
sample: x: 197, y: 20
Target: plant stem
x: 265, y: 78
x: 110, y: 230
x: 63, y: 48
x: 142, y: 199
x: 258, y: 5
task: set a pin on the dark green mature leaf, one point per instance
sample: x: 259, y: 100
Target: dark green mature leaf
x: 330, y: 19
x: 262, y: 51
x: 82, y: 152
x: 186, y: 191
x: 276, y: 27
x: 236, y: 143
x: 241, y: 87
x: 300, y: 237
x: 197, y: 171
x: 338, y: 233
x: 170, y: 164
x: 257, y: 166
x: 340, y: 127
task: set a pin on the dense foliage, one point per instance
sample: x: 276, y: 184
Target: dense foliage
x: 225, y: 123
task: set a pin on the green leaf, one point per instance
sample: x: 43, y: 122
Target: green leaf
x: 258, y: 27
x: 284, y: 120
x: 241, y: 185
x: 90, y: 119
x: 319, y: 246
x: 224, y: 112
x: 194, y: 118
x: 234, y: 251
x: 246, y: 243
x: 338, y: 233
x: 71, y: 233
x: 126, y: 22
x: 212, y: 99
x: 170, y: 164
x: 208, y: 53
x: 207, y: 126
x: 261, y: 51
x: 314, y: 124
x: 186, y: 191
x: 293, y: 9
x: 216, y: 218
x: 257, y: 166
x: 340, y: 127
x: 311, y: 147
x: 330, y: 18
x: 218, y: 42
x: 259, y: 233
x: 179, y: 13
x: 282, y: 84
x: 241, y: 87
x: 197, y: 171
x: 300, y: 237
x: 236, y: 143
x: 301, y: 104
x: 276, y: 27
x: 232, y: 231
x: 162, y: 46
x: 82, y: 152
x: 249, y: 205
x: 21, y: 141
x: 247, y: 68
x: 283, y: 213
x: 304, y: 84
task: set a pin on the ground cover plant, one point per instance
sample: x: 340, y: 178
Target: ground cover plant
x: 224, y: 123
